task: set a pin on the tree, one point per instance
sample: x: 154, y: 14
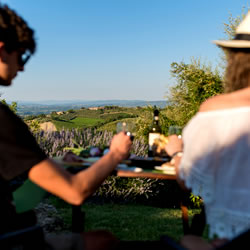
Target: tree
x: 229, y: 31
x: 34, y: 126
x: 12, y: 106
x: 233, y: 22
x: 195, y: 82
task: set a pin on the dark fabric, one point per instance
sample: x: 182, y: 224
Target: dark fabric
x: 64, y: 241
x: 19, y: 152
x: 30, y: 238
x: 144, y: 245
x: 7, y: 208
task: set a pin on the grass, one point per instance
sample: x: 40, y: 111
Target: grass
x: 78, y: 122
x: 82, y: 118
x: 129, y: 221
x: 111, y: 126
x: 134, y: 222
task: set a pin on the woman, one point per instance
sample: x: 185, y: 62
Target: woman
x: 213, y: 161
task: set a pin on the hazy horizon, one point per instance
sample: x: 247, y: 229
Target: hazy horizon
x: 83, y: 101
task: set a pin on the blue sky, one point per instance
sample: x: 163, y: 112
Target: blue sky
x: 115, y: 49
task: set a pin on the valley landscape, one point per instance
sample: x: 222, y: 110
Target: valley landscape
x: 96, y: 115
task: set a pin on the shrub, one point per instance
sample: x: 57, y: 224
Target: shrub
x: 160, y: 193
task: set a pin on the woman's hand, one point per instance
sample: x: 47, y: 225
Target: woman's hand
x: 174, y: 145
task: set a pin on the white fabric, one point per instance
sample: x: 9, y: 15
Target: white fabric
x: 216, y: 166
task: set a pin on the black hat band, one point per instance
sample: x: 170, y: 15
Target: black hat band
x: 242, y: 37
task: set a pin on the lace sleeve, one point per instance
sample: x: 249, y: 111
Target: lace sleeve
x: 198, y: 164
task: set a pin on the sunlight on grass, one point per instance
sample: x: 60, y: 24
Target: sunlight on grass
x: 111, y: 126
x: 128, y: 222
x: 78, y: 122
x: 134, y: 222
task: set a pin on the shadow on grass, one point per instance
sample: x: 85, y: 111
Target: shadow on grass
x: 128, y: 221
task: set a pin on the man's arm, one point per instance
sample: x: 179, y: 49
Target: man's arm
x: 76, y: 188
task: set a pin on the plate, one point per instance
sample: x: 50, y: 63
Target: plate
x: 126, y: 168
x: 91, y: 159
x: 146, y: 163
x: 166, y: 169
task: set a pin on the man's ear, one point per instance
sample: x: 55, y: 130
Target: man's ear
x: 1, y: 45
x: 2, y: 52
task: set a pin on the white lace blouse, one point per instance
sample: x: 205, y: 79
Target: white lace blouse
x: 216, y: 166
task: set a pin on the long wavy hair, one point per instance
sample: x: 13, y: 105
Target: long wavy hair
x: 238, y: 70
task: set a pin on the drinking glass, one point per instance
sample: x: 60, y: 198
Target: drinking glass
x: 128, y: 127
x: 175, y: 130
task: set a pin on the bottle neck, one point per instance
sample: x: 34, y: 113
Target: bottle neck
x: 156, y: 119
x: 156, y: 127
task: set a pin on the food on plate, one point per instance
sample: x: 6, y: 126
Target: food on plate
x: 85, y: 152
x: 94, y: 151
x: 159, y: 145
x: 167, y: 168
x: 71, y: 157
x: 167, y: 165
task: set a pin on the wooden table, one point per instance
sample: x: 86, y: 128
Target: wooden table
x: 78, y: 215
x: 145, y: 174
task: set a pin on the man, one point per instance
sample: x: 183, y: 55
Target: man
x: 19, y: 152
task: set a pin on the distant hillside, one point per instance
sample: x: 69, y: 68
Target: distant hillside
x: 46, y: 107
x: 102, y: 118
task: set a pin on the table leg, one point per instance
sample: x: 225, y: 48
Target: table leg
x: 185, y: 223
x: 184, y: 201
x: 198, y: 222
x: 78, y: 217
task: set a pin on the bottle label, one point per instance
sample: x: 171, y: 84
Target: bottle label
x: 151, y: 139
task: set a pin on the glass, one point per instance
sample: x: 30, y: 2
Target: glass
x: 128, y: 127
x: 175, y: 130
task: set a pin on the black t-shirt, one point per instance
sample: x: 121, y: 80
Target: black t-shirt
x: 19, y: 152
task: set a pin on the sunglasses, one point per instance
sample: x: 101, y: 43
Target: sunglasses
x: 23, y: 58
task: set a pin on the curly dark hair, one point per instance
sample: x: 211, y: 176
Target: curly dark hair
x: 238, y: 69
x: 15, y: 32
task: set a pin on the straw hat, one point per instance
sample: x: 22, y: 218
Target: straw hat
x: 242, y: 36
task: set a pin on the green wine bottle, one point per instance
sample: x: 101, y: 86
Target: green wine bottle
x: 154, y: 133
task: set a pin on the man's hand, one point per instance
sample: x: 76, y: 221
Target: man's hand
x: 174, y: 145
x: 120, y: 145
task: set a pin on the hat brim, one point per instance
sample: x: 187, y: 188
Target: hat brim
x: 233, y: 43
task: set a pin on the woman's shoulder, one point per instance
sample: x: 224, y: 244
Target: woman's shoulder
x: 215, y: 103
x: 235, y: 99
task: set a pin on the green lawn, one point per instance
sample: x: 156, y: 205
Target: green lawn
x: 82, y: 118
x: 134, y: 222
x: 111, y: 126
x: 128, y: 222
x: 78, y: 122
